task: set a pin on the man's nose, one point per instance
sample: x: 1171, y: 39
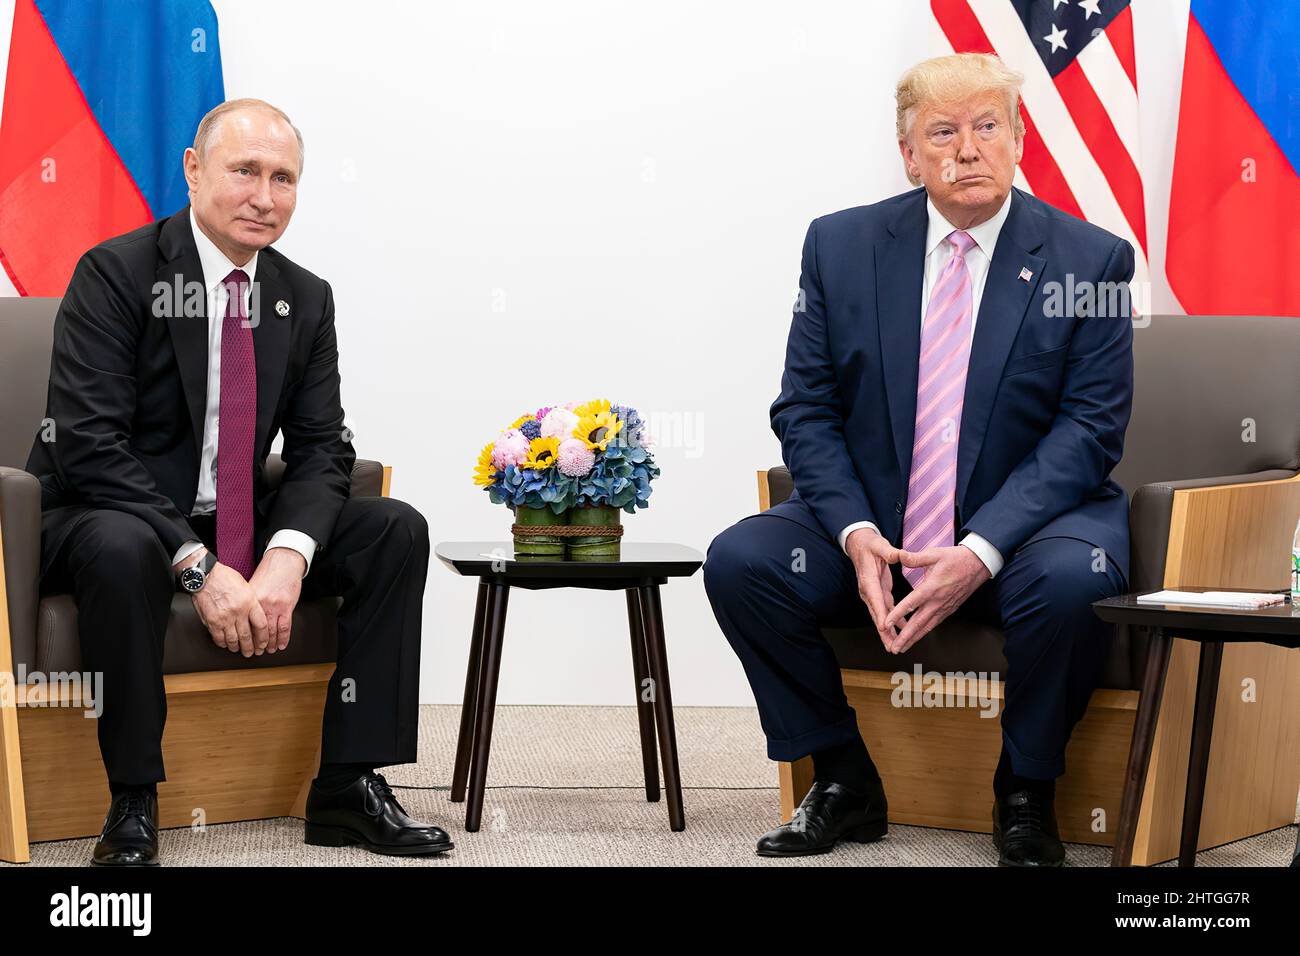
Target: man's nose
x: 261, y: 198
x: 967, y: 151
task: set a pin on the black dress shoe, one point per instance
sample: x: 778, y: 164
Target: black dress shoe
x: 130, y: 834
x: 365, y: 812
x: 1024, y: 830
x: 830, y: 812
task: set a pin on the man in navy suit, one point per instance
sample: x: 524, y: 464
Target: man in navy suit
x: 957, y: 384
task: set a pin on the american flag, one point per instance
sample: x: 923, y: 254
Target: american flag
x: 1079, y: 103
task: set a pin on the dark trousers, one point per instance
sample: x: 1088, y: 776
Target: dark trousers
x: 774, y: 584
x: 120, y: 576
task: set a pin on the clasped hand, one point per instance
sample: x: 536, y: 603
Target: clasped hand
x: 252, y: 617
x: 953, y: 575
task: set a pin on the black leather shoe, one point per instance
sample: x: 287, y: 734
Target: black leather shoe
x: 130, y: 834
x: 365, y: 812
x: 830, y: 812
x: 1024, y: 830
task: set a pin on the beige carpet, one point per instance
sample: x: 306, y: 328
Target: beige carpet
x: 564, y: 791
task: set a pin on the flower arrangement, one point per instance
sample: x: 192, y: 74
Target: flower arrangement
x: 578, y: 464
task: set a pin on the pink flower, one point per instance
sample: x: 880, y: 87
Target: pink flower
x: 575, y: 458
x: 510, y: 448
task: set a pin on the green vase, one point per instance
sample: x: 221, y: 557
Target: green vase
x: 595, y: 547
x: 536, y: 541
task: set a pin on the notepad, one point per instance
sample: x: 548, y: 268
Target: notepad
x: 1242, y: 599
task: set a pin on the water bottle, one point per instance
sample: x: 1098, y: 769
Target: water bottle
x: 1295, y: 567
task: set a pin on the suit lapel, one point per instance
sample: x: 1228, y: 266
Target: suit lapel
x: 187, y: 314
x: 900, y: 270
x: 1002, y: 311
x: 272, y: 316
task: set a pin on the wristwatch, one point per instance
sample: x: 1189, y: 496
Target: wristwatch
x: 192, y: 579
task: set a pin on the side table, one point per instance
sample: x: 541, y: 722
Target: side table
x: 1211, y: 627
x: 639, y: 570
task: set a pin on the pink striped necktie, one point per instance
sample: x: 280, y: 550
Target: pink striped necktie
x: 236, y: 430
x: 940, y: 389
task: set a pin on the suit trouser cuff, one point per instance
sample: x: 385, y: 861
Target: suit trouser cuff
x: 832, y: 735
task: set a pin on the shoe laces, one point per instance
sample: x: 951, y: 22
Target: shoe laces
x: 134, y: 804
x: 1027, y: 813
x: 385, y: 791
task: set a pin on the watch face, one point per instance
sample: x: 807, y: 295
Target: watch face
x: 192, y: 579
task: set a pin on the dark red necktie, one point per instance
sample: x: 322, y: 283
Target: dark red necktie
x: 236, y: 431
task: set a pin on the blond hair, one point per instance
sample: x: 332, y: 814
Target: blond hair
x: 208, y: 125
x: 954, y: 77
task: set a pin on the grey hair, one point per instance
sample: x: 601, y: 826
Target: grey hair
x: 208, y: 125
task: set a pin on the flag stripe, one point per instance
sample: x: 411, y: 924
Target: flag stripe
x: 1120, y: 33
x: 1098, y: 133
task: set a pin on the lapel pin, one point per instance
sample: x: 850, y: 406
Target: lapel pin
x: 1025, y: 276
x: 282, y: 307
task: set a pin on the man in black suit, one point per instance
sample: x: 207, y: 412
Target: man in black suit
x: 180, y: 350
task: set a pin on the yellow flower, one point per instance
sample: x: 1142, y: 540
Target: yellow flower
x: 484, y: 473
x: 596, y: 424
x: 521, y: 419
x: 541, y: 453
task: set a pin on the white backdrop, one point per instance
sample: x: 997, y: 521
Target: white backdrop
x: 518, y: 203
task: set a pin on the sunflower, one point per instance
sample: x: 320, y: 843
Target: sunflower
x: 541, y: 453
x: 484, y: 473
x: 596, y: 424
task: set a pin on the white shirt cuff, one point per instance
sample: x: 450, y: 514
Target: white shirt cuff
x: 185, y: 550
x: 844, y: 535
x: 298, y: 541
x: 990, y: 555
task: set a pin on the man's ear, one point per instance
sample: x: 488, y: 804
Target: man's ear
x: 909, y: 163
x: 1020, y: 147
x: 191, y: 164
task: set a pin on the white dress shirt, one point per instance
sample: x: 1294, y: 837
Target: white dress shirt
x: 978, y: 257
x: 215, y: 269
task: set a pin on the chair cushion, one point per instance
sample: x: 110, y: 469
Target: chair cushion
x: 188, y: 646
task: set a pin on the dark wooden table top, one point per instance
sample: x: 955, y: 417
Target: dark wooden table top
x: 1278, y: 624
x: 635, y: 560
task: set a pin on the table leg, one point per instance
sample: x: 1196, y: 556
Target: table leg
x: 1139, y: 754
x: 465, y: 739
x: 1207, y: 690
x: 653, y: 623
x: 485, y: 701
x: 645, y: 711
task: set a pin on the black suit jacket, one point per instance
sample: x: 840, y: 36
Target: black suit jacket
x: 128, y: 389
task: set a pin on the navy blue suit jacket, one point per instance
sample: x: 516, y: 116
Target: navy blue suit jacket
x: 1048, y: 391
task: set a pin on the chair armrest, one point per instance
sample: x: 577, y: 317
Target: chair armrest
x: 367, y: 476
x: 774, y: 486
x: 1158, y: 527
x: 367, y: 479
x: 20, y: 552
x: 1209, y: 532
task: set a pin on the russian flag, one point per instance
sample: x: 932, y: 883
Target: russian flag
x: 101, y: 98
x: 1234, y: 209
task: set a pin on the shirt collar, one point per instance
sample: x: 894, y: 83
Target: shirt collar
x: 214, y: 262
x: 985, y: 234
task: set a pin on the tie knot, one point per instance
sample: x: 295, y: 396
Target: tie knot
x: 240, y: 278
x: 961, y: 241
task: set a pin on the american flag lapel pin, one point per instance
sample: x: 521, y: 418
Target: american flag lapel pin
x: 1026, y: 275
